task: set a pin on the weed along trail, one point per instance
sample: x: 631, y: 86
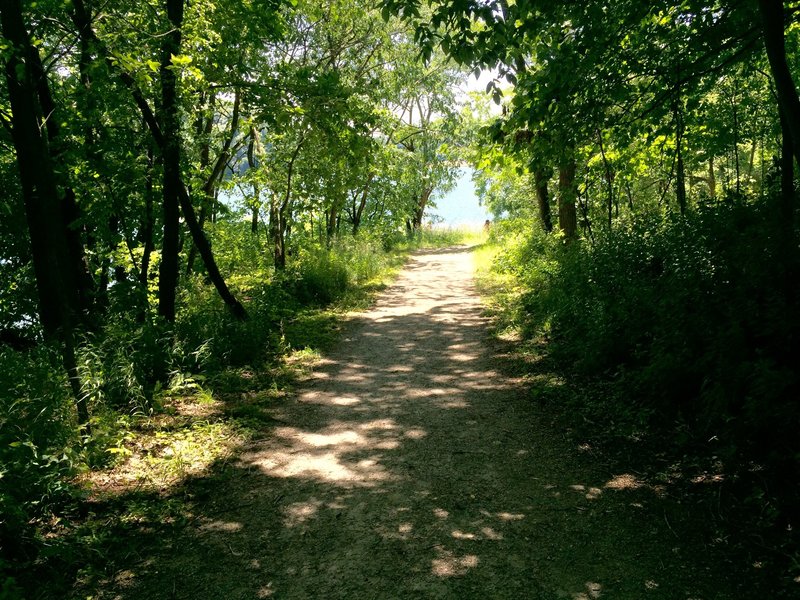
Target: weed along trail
x: 410, y: 466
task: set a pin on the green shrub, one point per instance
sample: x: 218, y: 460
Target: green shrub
x: 320, y: 276
x: 695, y: 319
x: 37, y: 447
x: 211, y: 338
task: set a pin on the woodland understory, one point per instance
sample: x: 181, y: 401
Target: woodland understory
x: 196, y: 193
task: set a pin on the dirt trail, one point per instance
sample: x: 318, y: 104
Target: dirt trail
x: 409, y: 466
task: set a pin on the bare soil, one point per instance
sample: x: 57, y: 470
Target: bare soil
x: 411, y: 465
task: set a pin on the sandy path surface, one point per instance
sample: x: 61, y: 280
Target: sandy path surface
x: 409, y: 466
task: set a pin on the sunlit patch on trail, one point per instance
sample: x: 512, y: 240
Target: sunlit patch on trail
x: 593, y: 591
x: 491, y: 534
x: 415, y: 434
x: 507, y: 516
x: 345, y: 401
x: 221, y: 526
x: 379, y: 424
x: 455, y: 403
x: 591, y: 493
x: 300, y: 512
x: 334, y: 439
x: 626, y: 481
x: 460, y: 535
x: 325, y: 455
x: 266, y: 591
x: 448, y: 564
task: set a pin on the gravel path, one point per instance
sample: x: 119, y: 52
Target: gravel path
x: 409, y: 466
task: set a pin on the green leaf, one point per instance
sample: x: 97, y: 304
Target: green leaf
x: 181, y: 60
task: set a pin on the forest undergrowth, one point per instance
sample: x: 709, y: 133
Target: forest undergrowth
x: 669, y: 347
x: 169, y: 404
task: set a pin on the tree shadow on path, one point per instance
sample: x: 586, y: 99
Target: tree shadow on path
x: 410, y: 466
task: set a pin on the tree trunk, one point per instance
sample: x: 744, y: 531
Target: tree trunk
x: 609, y: 179
x: 204, y: 248
x: 253, y: 156
x: 680, y: 174
x: 279, y: 213
x: 772, y: 20
x: 204, y: 129
x: 540, y: 178
x: 680, y: 181
x: 75, y: 259
x: 712, y: 179
x: 211, y: 184
x: 146, y: 231
x: 362, y: 203
x: 787, y: 196
x: 276, y: 235
x: 419, y: 210
x: 171, y: 153
x: 160, y: 139
x: 59, y: 300
x: 568, y: 192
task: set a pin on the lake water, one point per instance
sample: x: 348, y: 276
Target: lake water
x: 460, y: 207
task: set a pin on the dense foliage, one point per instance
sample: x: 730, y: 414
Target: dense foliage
x: 184, y: 183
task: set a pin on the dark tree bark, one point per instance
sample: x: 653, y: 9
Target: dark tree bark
x: 541, y: 177
x: 146, y: 230
x: 275, y: 235
x: 70, y: 214
x: 680, y: 177
x: 204, y: 248
x: 772, y: 19
x: 279, y: 213
x: 712, y: 178
x: 332, y: 219
x: 362, y: 203
x: 204, y: 128
x: 609, y: 179
x: 787, y: 196
x: 58, y: 295
x: 212, y: 182
x: 568, y: 192
x: 171, y: 153
x: 419, y: 209
x: 161, y: 141
x: 252, y: 162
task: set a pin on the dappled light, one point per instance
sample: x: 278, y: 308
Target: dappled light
x: 593, y: 591
x: 449, y: 565
x: 625, y: 481
x: 405, y: 466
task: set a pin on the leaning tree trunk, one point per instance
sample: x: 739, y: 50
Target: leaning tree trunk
x: 276, y: 235
x: 146, y: 229
x: 712, y: 179
x: 183, y: 196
